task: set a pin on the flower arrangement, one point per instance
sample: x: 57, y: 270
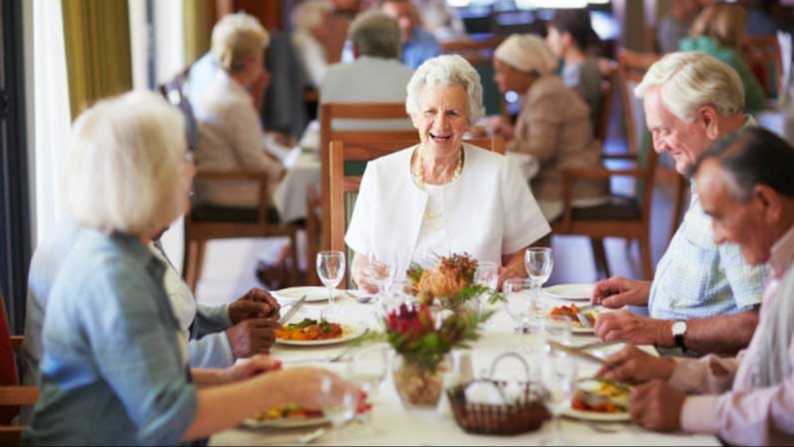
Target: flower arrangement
x: 451, y: 281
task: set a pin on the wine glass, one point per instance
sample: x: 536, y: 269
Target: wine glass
x: 517, y: 303
x: 539, y: 262
x: 381, y: 271
x: 338, y: 404
x: 331, y: 270
x: 559, y: 376
x: 487, y: 275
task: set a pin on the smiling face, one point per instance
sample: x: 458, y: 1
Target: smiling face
x: 443, y: 118
x: 684, y: 141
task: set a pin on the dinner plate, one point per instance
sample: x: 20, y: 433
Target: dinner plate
x: 597, y: 417
x: 313, y: 294
x: 570, y: 292
x: 284, y: 423
x: 350, y: 332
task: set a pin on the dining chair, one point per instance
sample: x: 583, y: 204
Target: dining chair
x: 205, y: 222
x: 348, y: 162
x: 12, y: 395
x: 625, y: 216
x: 479, y: 53
x: 609, y: 80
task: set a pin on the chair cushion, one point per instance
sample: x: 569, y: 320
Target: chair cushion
x: 213, y: 213
x: 619, y: 208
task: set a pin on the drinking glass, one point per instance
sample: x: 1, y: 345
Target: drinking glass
x: 338, y: 405
x: 559, y: 382
x: 539, y: 262
x: 331, y: 270
x: 487, y: 275
x: 381, y: 271
x: 558, y: 329
x: 367, y: 370
x: 517, y: 303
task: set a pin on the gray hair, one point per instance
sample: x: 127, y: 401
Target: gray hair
x: 237, y: 38
x: 124, y: 164
x: 690, y: 80
x: 310, y: 14
x: 376, y: 34
x: 446, y: 70
x: 750, y: 157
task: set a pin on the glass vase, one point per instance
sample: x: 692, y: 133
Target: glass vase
x: 419, y: 386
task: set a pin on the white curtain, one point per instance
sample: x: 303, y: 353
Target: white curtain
x: 52, y: 119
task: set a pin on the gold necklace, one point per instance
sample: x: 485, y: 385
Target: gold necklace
x: 419, y: 174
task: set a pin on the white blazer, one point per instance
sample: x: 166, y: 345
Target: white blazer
x: 490, y: 209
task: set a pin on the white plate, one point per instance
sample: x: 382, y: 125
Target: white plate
x: 570, y: 292
x: 350, y: 331
x: 284, y: 423
x: 313, y: 294
x: 597, y: 417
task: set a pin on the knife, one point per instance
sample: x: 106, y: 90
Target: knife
x: 293, y: 310
x: 576, y: 352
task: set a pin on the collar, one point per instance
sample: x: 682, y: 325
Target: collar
x: 782, y: 254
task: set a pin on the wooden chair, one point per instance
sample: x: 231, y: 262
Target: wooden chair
x: 479, y: 52
x: 208, y: 222
x: 344, y: 154
x: 358, y: 111
x: 12, y: 396
x: 624, y: 216
x: 610, y: 79
x: 762, y: 54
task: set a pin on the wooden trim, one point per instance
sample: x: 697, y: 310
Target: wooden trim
x: 11, y: 435
x: 16, y: 343
x: 18, y: 395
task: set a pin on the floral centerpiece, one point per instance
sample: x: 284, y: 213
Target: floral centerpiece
x: 423, y: 341
x: 451, y: 281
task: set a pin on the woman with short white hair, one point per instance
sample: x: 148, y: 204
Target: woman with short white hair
x: 113, y: 370
x: 443, y: 196
x: 311, y: 30
x: 230, y: 130
x: 553, y: 125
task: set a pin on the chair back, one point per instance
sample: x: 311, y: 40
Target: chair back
x: 348, y: 161
x: 763, y: 56
x: 8, y: 368
x: 174, y: 92
x: 610, y: 79
x: 479, y: 52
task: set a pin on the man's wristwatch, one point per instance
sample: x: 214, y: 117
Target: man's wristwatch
x: 679, y: 329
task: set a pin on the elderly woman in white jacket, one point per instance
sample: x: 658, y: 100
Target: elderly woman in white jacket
x: 443, y: 196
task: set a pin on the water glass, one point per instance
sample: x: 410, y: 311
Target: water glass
x: 539, y: 262
x: 517, y: 303
x: 558, y: 329
x: 559, y: 376
x: 381, y: 271
x: 331, y: 270
x: 338, y: 404
x: 487, y: 275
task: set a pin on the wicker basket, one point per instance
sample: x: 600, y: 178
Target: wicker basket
x: 526, y: 414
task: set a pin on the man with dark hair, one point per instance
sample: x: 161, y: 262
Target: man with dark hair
x: 569, y: 35
x: 746, y: 186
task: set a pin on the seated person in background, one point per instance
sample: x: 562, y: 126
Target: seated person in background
x: 230, y: 132
x: 375, y: 76
x: 718, y: 30
x: 704, y: 297
x: 745, y: 185
x: 441, y: 19
x: 418, y: 45
x: 422, y: 199
x: 569, y: 35
x: 675, y: 26
x: 553, y: 125
x: 113, y: 370
x: 311, y: 38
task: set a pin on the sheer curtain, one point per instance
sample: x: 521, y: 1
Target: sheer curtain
x: 52, y: 116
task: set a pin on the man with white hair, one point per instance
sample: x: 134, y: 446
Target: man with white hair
x: 745, y: 186
x: 704, y: 297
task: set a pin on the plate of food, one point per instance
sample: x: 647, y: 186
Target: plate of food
x: 313, y: 294
x: 570, y: 292
x: 286, y: 416
x: 600, y: 400
x: 311, y: 332
x: 572, y: 312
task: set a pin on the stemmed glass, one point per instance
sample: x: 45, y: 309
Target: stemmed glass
x: 331, y: 270
x: 338, y: 404
x: 539, y: 262
x: 559, y: 382
x: 381, y: 271
x: 487, y: 275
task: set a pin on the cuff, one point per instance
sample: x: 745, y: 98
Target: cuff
x: 699, y: 415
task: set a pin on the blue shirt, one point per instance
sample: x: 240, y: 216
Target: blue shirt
x: 113, y: 372
x: 422, y: 46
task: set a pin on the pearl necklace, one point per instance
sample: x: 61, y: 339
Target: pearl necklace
x: 419, y: 174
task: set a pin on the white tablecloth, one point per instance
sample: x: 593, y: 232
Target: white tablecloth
x: 394, y: 425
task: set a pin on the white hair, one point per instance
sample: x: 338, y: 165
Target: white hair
x: 690, y: 80
x: 446, y: 70
x: 124, y: 164
x: 236, y: 38
x: 309, y: 14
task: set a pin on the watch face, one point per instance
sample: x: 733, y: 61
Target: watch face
x: 679, y: 327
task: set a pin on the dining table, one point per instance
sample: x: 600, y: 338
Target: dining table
x: 393, y: 423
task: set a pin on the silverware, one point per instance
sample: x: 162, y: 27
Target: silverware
x: 360, y: 299
x: 293, y: 310
x: 584, y: 320
x: 576, y: 352
x: 598, y: 344
x: 308, y: 438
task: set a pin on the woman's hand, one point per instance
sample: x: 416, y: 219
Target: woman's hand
x: 303, y: 386
x: 256, y: 365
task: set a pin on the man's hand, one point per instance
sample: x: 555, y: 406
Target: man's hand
x: 257, y: 303
x: 631, y: 328
x: 251, y: 337
x: 657, y: 406
x: 617, y: 292
x: 256, y: 365
x: 633, y: 365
